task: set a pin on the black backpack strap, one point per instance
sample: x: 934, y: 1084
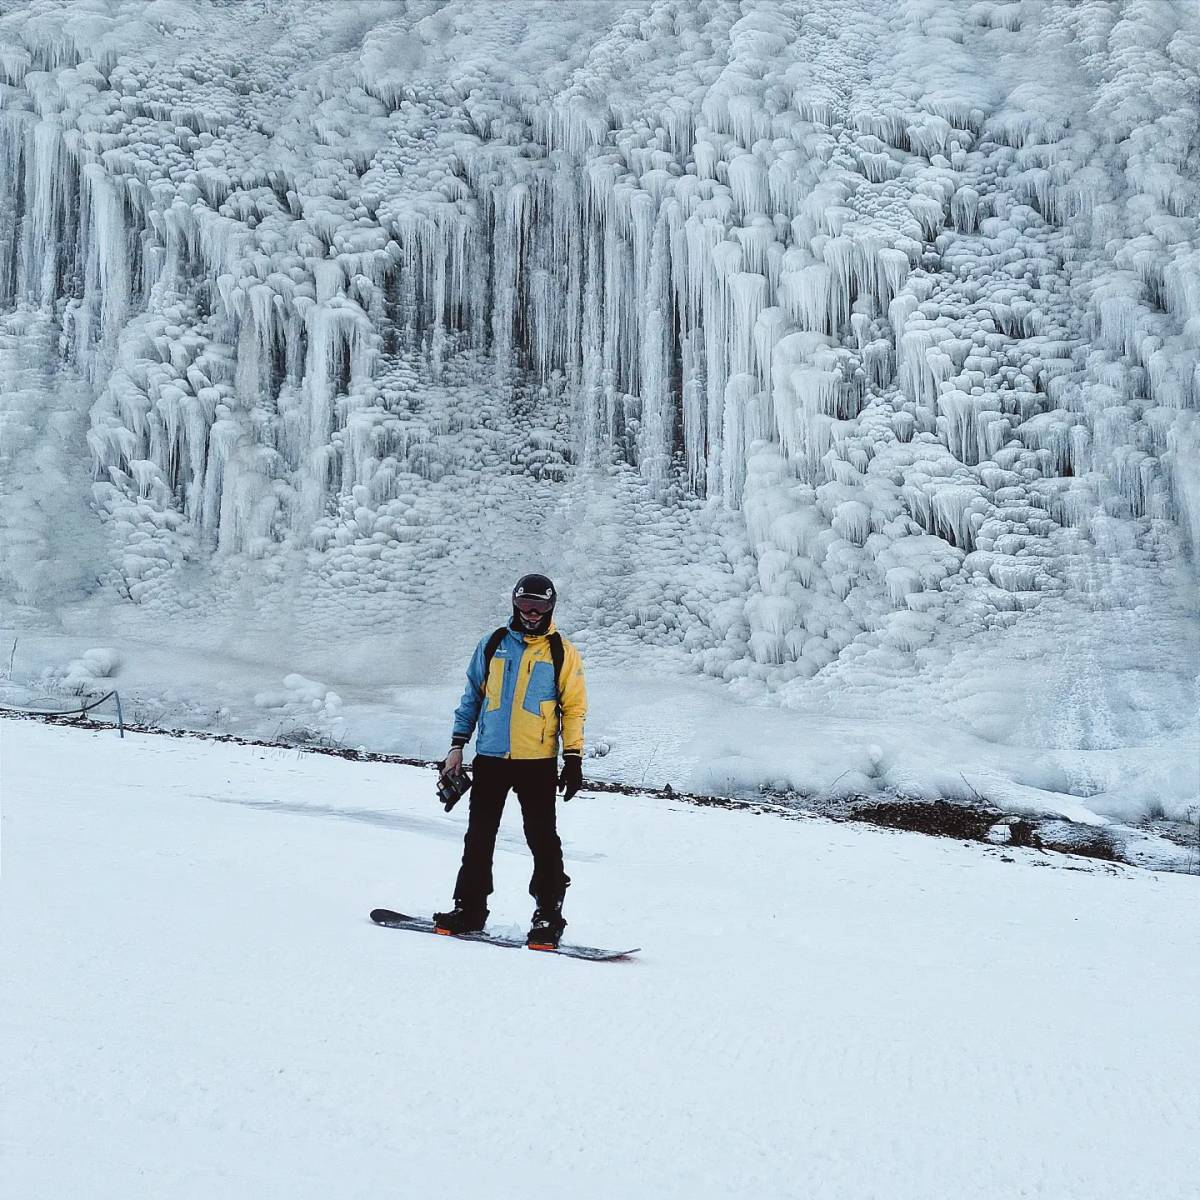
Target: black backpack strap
x: 489, y: 652
x: 557, y: 655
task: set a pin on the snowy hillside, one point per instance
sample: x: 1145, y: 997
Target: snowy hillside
x: 195, y: 1003
x: 844, y: 351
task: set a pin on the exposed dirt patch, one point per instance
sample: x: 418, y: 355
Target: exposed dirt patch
x: 938, y: 818
x: 1068, y: 838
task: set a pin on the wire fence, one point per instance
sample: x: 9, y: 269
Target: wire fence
x: 77, y: 713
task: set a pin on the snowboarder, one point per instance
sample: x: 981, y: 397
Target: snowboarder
x: 524, y: 690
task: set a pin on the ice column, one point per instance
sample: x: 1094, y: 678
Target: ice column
x: 107, y: 282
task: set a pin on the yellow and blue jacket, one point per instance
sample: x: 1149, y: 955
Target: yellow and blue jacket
x: 516, y: 706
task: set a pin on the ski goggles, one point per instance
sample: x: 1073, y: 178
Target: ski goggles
x: 533, y: 606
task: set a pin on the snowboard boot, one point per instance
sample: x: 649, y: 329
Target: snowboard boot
x: 463, y: 918
x: 546, y: 929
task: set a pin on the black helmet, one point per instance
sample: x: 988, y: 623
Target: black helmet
x: 533, y: 604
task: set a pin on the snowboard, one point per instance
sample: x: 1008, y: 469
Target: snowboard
x: 395, y: 920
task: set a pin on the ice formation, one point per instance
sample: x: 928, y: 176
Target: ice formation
x: 893, y: 306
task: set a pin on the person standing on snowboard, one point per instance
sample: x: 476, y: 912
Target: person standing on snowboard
x: 521, y: 710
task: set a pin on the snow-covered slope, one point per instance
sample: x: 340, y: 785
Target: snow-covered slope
x: 195, y: 1003
x: 847, y: 350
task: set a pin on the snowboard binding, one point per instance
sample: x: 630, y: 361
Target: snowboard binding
x: 546, y: 929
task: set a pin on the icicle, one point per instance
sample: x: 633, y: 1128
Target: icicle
x: 1183, y: 457
x: 329, y: 277
x: 839, y: 255
x: 107, y: 286
x: 951, y: 507
x: 744, y: 425
x: 894, y: 266
x: 960, y: 413
x: 341, y: 345
x: 590, y: 394
x: 755, y: 240
x: 917, y: 381
x: 705, y: 155
x: 725, y: 261
x: 654, y: 445
x: 748, y: 183
x: 716, y: 348
x: 771, y: 325
x: 513, y: 212
x: 568, y: 237
x: 695, y: 411
x: 255, y: 349
x: 806, y: 296
x: 222, y: 440
x: 879, y: 362
x: 899, y: 312
x: 803, y: 396
x: 618, y: 324
x: 44, y: 180
x: 12, y: 147
x: 748, y: 293
x: 964, y: 210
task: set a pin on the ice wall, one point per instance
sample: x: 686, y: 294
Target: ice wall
x: 912, y: 285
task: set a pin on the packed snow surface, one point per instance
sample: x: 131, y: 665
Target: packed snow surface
x: 844, y: 351
x: 195, y: 1003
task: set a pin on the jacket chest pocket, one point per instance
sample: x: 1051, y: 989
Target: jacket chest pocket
x: 540, y: 687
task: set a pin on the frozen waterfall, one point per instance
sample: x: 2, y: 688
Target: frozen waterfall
x: 910, y: 286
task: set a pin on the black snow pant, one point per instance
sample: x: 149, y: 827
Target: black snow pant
x: 535, y: 781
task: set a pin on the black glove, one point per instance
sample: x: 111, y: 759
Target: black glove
x: 571, y: 779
